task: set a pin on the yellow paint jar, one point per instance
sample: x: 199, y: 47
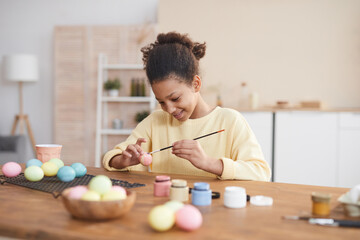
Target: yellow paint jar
x: 179, y: 190
x: 320, y: 203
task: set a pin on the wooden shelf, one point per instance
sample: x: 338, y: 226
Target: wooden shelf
x: 116, y: 131
x: 127, y: 99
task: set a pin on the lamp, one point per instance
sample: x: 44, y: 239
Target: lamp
x: 21, y: 68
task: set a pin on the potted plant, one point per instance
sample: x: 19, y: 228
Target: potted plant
x: 141, y: 116
x: 112, y: 86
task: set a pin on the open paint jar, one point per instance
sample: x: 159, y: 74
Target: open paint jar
x: 320, y: 203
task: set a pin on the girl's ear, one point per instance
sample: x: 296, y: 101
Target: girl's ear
x: 196, y: 83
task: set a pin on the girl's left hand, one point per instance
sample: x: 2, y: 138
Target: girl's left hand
x: 192, y: 151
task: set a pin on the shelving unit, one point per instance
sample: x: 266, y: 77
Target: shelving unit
x: 102, y: 131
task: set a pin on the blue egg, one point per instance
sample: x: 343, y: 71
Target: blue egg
x: 34, y: 162
x: 80, y: 169
x: 66, y: 174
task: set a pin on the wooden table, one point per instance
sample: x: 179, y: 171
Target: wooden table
x: 27, y: 213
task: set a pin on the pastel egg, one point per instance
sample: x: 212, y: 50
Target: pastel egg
x: 146, y: 159
x: 161, y: 218
x: 174, y: 205
x: 11, y: 169
x: 113, y: 195
x: 77, y: 192
x: 50, y: 169
x: 58, y: 162
x: 34, y: 173
x: 188, y: 218
x: 119, y: 189
x: 80, y: 169
x: 91, y: 196
x: 34, y: 162
x: 66, y: 174
x: 100, y: 184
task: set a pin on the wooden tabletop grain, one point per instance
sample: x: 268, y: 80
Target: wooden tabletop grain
x: 32, y: 214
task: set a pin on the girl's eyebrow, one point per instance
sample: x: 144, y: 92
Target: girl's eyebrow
x: 168, y: 96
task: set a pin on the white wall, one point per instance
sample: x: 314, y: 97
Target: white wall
x: 284, y: 49
x: 27, y: 27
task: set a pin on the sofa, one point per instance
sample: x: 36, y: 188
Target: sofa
x: 12, y: 149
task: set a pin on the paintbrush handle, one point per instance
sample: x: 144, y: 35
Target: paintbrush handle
x: 348, y: 223
x: 193, y: 139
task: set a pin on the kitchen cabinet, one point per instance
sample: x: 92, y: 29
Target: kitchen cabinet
x: 349, y: 149
x: 262, y: 125
x: 306, y: 147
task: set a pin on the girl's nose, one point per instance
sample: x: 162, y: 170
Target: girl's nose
x: 170, y: 109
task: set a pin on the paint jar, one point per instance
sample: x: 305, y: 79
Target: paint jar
x: 320, y: 203
x: 201, y: 194
x: 162, y: 186
x: 179, y: 190
x: 235, y: 197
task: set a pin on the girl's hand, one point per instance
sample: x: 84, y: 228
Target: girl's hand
x: 131, y: 155
x: 192, y: 151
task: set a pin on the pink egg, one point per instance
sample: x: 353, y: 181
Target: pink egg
x: 188, y: 218
x: 118, y: 189
x: 11, y: 169
x: 146, y: 159
x: 77, y: 192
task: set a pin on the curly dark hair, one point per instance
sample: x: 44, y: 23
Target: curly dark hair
x: 172, y: 54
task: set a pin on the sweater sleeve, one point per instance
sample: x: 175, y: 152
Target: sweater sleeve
x: 141, y: 131
x: 247, y: 160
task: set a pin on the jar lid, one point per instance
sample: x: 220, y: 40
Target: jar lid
x: 261, y: 200
x: 202, y: 186
x: 178, y: 183
x: 235, y: 190
x: 162, y: 178
x: 320, y: 197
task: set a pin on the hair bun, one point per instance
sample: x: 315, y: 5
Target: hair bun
x: 198, y: 49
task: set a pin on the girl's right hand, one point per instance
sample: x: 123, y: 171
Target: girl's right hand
x: 131, y: 155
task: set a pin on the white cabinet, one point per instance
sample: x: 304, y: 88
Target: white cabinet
x: 349, y: 149
x: 262, y: 125
x: 306, y: 146
x: 102, y: 112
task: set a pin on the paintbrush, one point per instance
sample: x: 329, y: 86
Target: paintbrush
x: 193, y: 139
x: 326, y: 221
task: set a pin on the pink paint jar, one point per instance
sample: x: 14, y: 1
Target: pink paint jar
x: 162, y: 186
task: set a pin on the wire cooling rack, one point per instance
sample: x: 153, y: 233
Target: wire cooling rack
x: 54, y: 186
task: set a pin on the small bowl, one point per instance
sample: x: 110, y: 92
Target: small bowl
x: 351, y: 209
x: 98, y: 210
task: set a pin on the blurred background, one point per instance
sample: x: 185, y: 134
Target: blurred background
x: 291, y: 67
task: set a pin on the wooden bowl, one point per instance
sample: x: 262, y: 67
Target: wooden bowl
x: 98, y: 210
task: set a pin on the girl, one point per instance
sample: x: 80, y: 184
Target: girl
x: 172, y: 67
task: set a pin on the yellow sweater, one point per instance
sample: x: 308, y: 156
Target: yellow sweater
x: 237, y: 147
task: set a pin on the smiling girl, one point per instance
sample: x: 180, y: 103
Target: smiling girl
x: 172, y: 67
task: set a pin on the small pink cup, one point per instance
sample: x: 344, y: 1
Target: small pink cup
x: 45, y: 152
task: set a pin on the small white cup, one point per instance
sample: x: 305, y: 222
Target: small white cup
x: 235, y: 197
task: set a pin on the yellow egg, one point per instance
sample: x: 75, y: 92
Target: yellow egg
x: 113, y: 195
x: 161, y: 218
x: 91, y: 196
x: 50, y: 169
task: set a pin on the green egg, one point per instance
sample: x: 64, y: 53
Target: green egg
x: 174, y: 205
x: 100, y: 184
x: 58, y: 162
x: 34, y: 173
